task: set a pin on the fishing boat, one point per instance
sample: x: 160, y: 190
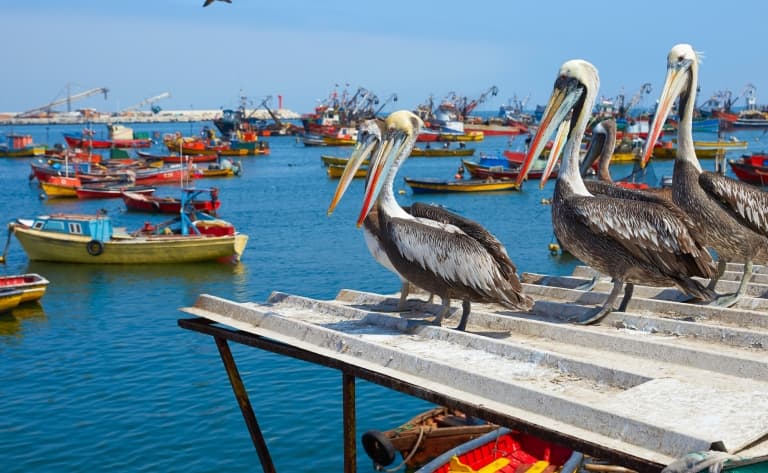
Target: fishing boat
x: 336, y: 170
x: 669, y: 151
x: 31, y: 285
x: 172, y: 174
x: 432, y: 185
x: 480, y: 171
x: 87, y: 141
x: 749, y: 171
x: 442, y: 151
x: 20, y: 146
x: 75, y: 238
x: 141, y: 202
x: 174, y: 158
x: 505, y: 450
x: 720, y: 144
x: 327, y: 160
x: 428, y: 136
x: 424, y: 437
x: 110, y: 191
x: 225, y: 168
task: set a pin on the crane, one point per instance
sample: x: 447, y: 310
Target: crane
x: 47, y: 108
x: 645, y: 89
x: 466, y: 108
x: 147, y: 101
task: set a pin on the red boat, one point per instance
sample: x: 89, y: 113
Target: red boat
x: 173, y: 174
x: 170, y: 205
x: 178, y: 159
x: 746, y: 171
x: 79, y: 140
x: 480, y: 171
x: 505, y: 451
x: 110, y: 191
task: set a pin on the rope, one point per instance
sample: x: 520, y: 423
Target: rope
x: 7, y: 244
x: 408, y: 457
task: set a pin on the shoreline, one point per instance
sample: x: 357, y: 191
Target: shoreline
x: 165, y: 116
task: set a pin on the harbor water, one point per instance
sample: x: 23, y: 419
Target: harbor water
x: 99, y: 377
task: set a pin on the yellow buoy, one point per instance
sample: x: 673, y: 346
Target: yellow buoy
x: 554, y: 248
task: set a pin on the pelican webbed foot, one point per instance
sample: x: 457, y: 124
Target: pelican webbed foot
x: 589, y: 285
x: 598, y: 314
x: 729, y: 300
x: 726, y: 300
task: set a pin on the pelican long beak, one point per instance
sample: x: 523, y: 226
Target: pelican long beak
x: 596, y: 146
x: 557, y: 148
x: 673, y: 87
x: 379, y: 168
x: 564, y: 97
x: 362, y: 151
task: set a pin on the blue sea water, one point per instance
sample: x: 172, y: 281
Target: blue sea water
x: 99, y: 377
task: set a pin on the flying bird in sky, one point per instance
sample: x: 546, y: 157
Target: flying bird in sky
x: 208, y: 2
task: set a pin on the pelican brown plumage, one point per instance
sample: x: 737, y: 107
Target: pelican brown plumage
x: 447, y: 255
x: 634, y: 242
x: 731, y: 215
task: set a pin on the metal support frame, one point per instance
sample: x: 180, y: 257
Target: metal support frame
x: 350, y: 372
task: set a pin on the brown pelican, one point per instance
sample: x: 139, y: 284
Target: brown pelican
x: 447, y: 255
x: 633, y: 242
x: 730, y: 215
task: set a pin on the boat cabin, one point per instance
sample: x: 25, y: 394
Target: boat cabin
x: 98, y: 227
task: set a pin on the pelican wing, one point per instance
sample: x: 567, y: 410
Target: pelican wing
x: 745, y: 202
x: 649, y: 232
x: 450, y: 254
x: 471, y: 228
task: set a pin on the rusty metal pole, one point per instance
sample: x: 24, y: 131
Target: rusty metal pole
x: 350, y: 447
x: 245, y: 405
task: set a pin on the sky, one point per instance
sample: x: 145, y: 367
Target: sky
x: 206, y: 58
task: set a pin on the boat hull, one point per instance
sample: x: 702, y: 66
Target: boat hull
x: 9, y: 299
x: 442, y: 152
x: 31, y: 285
x: 155, y: 249
x: 421, y: 186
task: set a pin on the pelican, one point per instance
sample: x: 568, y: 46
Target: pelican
x: 447, y: 255
x: 368, y: 139
x: 730, y: 215
x: 634, y: 242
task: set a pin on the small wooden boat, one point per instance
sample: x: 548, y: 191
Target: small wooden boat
x: 170, y: 205
x: 20, y: 146
x: 61, y: 186
x: 337, y: 160
x: 10, y: 299
x: 75, y: 238
x: 441, y: 151
x: 177, y: 159
x: 669, y: 151
x: 478, y: 171
x: 419, y: 186
x: 110, y: 191
x: 505, y: 450
x: 721, y: 144
x: 31, y: 285
x: 81, y: 140
x: 423, y: 437
x: 748, y: 172
x: 436, y: 135
x: 336, y: 170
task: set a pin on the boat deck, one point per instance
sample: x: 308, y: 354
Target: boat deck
x: 642, y: 388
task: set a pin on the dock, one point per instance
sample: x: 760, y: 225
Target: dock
x: 642, y: 389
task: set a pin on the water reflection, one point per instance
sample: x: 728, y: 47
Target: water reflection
x: 13, y: 321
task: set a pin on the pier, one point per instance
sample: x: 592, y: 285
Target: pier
x: 641, y: 389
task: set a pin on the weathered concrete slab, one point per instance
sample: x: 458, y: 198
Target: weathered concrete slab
x: 657, y: 382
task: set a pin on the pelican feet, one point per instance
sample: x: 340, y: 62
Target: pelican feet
x: 589, y: 285
x: 595, y: 315
x: 726, y: 300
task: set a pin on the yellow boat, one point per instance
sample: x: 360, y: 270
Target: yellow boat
x: 10, y: 299
x: 440, y: 151
x: 60, y: 186
x: 336, y: 170
x: 462, y: 185
x: 31, y: 285
x: 623, y: 157
x: 71, y: 238
x: 721, y: 144
x: 337, y: 160
x: 467, y: 136
x: 666, y: 152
